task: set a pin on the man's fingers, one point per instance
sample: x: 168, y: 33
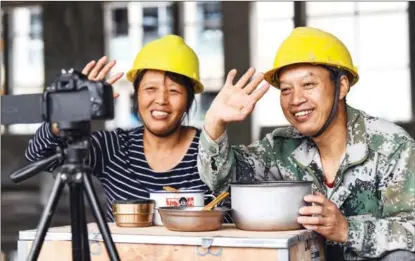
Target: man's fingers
x: 115, y: 95
x: 310, y: 227
x: 245, y: 78
x: 104, y: 71
x: 319, y: 229
x: 94, y: 73
x: 247, y: 109
x: 115, y: 78
x: 230, y: 77
x: 311, y: 210
x: 260, y: 92
x: 254, y: 83
x: 88, y: 67
x: 318, y: 198
x: 316, y: 220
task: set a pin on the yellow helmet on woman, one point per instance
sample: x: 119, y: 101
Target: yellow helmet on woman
x: 169, y: 53
x: 312, y: 46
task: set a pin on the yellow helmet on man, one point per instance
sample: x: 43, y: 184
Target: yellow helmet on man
x: 312, y: 46
x: 169, y: 53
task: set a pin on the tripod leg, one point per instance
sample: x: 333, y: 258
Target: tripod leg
x: 46, y: 218
x: 80, y: 247
x: 102, y: 224
x: 85, y: 242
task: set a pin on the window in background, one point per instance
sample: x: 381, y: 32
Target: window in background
x: 36, y: 27
x: 129, y: 26
x: 272, y: 23
x: 377, y: 37
x: 26, y: 57
x: 203, y: 32
x: 120, y: 20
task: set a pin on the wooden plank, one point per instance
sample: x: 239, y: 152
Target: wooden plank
x: 61, y: 250
x: 227, y: 230
x: 228, y: 236
x: 304, y: 251
x: 223, y: 245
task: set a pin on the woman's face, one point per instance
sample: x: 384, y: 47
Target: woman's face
x: 161, y: 103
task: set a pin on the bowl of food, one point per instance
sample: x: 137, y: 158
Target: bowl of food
x: 133, y: 213
x: 191, y: 219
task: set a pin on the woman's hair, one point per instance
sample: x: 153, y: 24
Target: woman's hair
x: 186, y: 82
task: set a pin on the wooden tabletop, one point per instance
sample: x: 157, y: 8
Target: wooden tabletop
x: 227, y: 236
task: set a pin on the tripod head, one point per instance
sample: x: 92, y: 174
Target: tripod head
x: 76, y: 136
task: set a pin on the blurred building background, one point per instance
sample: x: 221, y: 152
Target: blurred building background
x: 40, y: 38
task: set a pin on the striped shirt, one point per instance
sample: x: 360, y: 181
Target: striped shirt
x: 118, y: 161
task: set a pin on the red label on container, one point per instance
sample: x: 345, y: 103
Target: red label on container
x: 183, y: 201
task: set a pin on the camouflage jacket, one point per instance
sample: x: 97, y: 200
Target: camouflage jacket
x: 375, y: 184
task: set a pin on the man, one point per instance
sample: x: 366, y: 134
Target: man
x: 362, y: 167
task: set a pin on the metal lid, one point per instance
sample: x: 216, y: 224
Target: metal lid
x: 271, y: 183
x: 178, y: 192
x: 134, y: 201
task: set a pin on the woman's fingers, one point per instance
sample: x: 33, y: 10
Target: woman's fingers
x: 88, y: 67
x: 97, y: 68
x: 104, y: 71
x: 115, y: 78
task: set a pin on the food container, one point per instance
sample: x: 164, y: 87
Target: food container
x: 192, y: 218
x: 133, y: 213
x: 270, y: 206
x: 189, y: 198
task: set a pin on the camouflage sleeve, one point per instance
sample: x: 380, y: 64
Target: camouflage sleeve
x: 219, y: 163
x: 372, y: 237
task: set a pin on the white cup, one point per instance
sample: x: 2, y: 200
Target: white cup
x: 163, y: 198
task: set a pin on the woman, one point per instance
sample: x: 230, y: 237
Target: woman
x: 163, y: 152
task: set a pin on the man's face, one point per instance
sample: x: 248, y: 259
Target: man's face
x: 307, y: 94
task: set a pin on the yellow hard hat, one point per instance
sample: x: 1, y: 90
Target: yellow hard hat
x: 169, y: 53
x: 314, y: 46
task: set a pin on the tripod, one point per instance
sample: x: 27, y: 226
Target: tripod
x: 77, y: 176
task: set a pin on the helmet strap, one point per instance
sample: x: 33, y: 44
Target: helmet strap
x: 338, y: 75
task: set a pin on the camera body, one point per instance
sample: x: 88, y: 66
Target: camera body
x: 72, y: 97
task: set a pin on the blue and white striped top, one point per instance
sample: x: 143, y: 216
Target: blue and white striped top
x: 118, y: 161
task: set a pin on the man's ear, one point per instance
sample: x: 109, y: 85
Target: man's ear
x: 344, y: 87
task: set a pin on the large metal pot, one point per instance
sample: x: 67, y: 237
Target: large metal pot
x: 270, y: 206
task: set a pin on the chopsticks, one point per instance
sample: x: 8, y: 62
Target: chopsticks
x: 221, y: 197
x: 170, y: 189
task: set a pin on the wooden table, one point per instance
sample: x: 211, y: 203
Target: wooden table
x: 156, y: 243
